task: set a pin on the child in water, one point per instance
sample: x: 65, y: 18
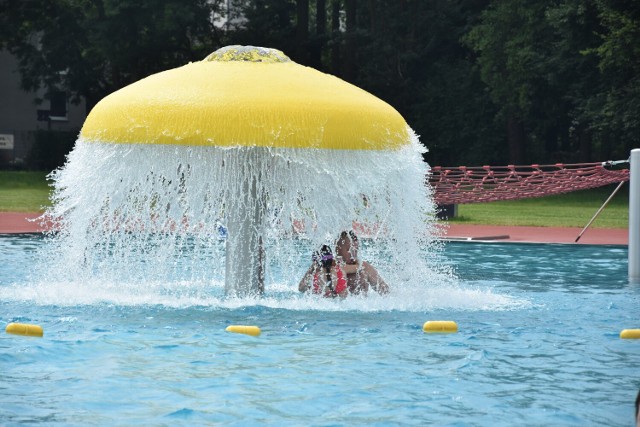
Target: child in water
x: 324, y: 277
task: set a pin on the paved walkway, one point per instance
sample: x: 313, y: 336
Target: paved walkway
x: 593, y: 236
x: 18, y: 222
x: 13, y: 222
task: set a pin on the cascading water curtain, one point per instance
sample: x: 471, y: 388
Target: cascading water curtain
x: 142, y: 213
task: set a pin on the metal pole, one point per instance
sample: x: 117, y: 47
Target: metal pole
x: 599, y: 210
x: 634, y: 216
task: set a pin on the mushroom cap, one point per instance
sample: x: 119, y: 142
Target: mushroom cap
x: 246, y: 96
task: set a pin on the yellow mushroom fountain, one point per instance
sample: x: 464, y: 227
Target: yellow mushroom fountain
x: 246, y: 139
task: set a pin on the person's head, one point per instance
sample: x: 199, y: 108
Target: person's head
x: 347, y: 247
x: 323, y: 257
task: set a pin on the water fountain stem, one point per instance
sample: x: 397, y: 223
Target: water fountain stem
x: 245, y: 256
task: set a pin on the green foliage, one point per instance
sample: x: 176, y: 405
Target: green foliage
x: 271, y: 22
x: 617, y: 104
x: 528, y: 63
x: 92, y: 48
x: 537, y: 59
x: 481, y: 82
x: 510, y: 53
x: 50, y: 149
x: 410, y: 55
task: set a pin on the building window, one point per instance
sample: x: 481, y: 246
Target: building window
x: 58, y: 106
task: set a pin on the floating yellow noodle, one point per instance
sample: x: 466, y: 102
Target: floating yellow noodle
x: 24, y: 329
x: 630, y: 334
x: 243, y: 329
x: 440, y: 326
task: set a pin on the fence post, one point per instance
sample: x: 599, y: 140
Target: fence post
x: 634, y: 216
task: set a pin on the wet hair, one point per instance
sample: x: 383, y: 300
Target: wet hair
x: 350, y: 233
x: 637, y: 404
x: 323, y: 258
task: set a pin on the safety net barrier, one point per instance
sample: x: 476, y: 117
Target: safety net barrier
x: 462, y: 184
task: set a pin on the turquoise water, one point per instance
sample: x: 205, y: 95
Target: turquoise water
x: 537, y: 345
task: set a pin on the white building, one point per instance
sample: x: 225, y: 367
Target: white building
x: 21, y: 119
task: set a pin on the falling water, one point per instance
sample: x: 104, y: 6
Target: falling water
x: 222, y: 176
x: 152, y: 213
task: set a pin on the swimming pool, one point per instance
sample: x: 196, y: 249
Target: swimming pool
x: 537, y: 345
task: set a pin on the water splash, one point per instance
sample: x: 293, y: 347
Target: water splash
x: 147, y: 214
x: 209, y: 295
x: 249, y: 142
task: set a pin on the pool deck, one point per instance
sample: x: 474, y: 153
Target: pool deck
x: 499, y: 233
x: 17, y: 222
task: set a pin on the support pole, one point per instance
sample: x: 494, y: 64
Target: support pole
x: 245, y: 257
x: 593, y: 218
x: 634, y: 216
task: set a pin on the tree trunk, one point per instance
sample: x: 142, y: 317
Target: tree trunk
x: 584, y: 137
x: 321, y: 29
x: 350, y: 44
x: 302, y: 31
x: 335, y: 36
x: 515, y: 139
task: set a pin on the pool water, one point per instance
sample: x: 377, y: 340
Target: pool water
x: 538, y: 344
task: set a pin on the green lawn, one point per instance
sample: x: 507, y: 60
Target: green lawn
x: 566, y: 210
x: 29, y: 192
x: 23, y: 191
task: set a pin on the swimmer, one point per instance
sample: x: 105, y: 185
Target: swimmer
x: 360, y: 274
x: 324, y: 277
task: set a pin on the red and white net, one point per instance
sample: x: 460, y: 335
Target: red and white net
x: 462, y: 184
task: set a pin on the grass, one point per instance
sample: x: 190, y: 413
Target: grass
x: 23, y: 191
x: 565, y: 210
x: 29, y: 192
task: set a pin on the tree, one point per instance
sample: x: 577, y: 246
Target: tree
x: 302, y: 30
x: 410, y: 55
x: 320, y: 38
x: 92, y: 48
x: 575, y: 77
x: 616, y: 107
x: 512, y: 42
x: 533, y: 56
x: 273, y: 24
x: 490, y: 81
